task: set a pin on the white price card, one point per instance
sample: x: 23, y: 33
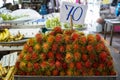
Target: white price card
x: 13, y: 58
x: 77, y: 11
x: 5, y: 60
x: 9, y: 60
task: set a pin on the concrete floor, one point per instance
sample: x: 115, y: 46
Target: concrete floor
x: 116, y: 41
x: 116, y: 58
x: 115, y: 50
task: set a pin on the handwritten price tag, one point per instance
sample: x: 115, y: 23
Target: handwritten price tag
x: 78, y: 12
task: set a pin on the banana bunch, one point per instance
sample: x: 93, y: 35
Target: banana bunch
x: 10, y: 74
x: 7, y: 74
x: 5, y: 36
x: 3, y: 71
x: 19, y: 36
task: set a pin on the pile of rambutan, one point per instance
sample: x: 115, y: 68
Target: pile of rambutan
x: 65, y: 53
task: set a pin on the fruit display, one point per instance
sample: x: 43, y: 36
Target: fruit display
x: 7, y: 17
x: 76, y: 26
x: 51, y: 23
x: 65, y: 53
x: 3, y: 71
x: 7, y: 73
x: 5, y: 36
x: 10, y: 74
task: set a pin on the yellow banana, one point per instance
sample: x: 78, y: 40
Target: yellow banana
x: 5, y: 70
x: 1, y: 69
x: 1, y: 36
x: 10, y: 73
x: 7, y: 33
x: 4, y: 35
x: 10, y: 38
x: 0, y: 74
x: 19, y: 37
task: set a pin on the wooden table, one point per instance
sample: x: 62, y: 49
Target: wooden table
x: 112, y: 22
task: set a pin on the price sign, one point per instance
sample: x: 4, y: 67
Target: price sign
x: 77, y: 11
x: 9, y: 60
